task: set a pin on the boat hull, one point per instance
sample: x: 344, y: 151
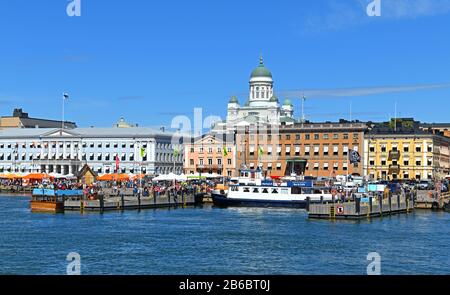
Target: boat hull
x: 222, y: 201
x: 47, y: 207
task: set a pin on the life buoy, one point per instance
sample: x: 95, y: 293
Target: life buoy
x: 339, y: 209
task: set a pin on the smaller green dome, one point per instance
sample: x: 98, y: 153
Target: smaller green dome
x: 247, y: 103
x: 274, y: 98
x: 287, y: 102
x: 234, y: 99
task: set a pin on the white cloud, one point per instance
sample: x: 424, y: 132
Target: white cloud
x: 339, y: 14
x: 363, y: 91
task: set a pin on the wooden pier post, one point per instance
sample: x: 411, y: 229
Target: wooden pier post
x: 390, y: 202
x: 370, y: 205
x: 139, y: 200
x: 358, y: 205
x: 398, y: 202
x: 307, y: 204
x: 380, y: 202
x: 122, y: 200
x: 154, y: 197
x: 102, y: 203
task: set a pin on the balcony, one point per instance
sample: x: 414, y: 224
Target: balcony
x: 394, y: 169
x: 394, y: 155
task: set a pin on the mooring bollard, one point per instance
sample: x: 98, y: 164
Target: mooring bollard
x: 307, y: 203
x: 122, y: 199
x: 357, y: 205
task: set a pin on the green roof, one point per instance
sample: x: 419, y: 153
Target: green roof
x: 261, y: 70
x: 234, y: 99
x: 287, y: 102
x: 274, y: 98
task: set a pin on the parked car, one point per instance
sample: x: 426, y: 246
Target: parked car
x: 424, y: 185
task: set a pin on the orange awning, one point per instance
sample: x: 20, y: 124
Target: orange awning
x: 114, y: 177
x: 10, y: 176
x: 37, y: 176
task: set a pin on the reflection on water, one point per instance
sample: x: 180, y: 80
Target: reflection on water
x: 209, y: 240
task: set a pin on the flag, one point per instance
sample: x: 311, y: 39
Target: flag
x: 225, y: 151
x: 142, y: 152
x: 260, y: 151
x: 65, y: 96
x: 176, y: 152
x: 354, y: 157
x: 117, y: 162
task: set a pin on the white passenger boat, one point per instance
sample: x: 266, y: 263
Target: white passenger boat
x: 254, y: 191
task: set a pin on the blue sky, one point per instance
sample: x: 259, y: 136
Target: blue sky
x: 149, y: 61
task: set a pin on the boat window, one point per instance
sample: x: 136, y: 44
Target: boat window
x: 274, y: 191
x: 284, y: 191
x: 265, y: 191
x: 246, y: 190
x: 296, y: 191
x: 255, y: 190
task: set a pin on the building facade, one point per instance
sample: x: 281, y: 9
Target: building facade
x: 405, y: 152
x: 210, y: 154
x: 20, y: 119
x: 309, y: 149
x: 65, y: 151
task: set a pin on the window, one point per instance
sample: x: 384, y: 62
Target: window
x: 325, y: 136
x: 210, y: 161
x: 345, y: 135
x: 429, y: 162
x: 335, y: 136
x: 307, y: 136
x: 219, y: 161
x: 383, y: 162
x: 383, y: 148
x: 325, y: 150
x: 192, y: 150
x: 288, y: 137
x: 108, y: 145
x: 200, y: 161
x: 191, y: 162
x: 372, y: 149
x: 116, y: 145
x: 316, y: 136
x: 99, y: 145
x: 355, y: 135
x: 131, y: 157
x: 335, y: 150
x: 297, y: 150
x: 406, y: 162
x: 124, y: 145
x: 288, y: 150
x: 229, y: 161
x: 372, y: 163
x: 297, y: 137
x: 307, y: 149
x: 418, y: 163
x: 430, y: 149
x: 345, y: 151
x: 316, y: 150
x: 418, y: 149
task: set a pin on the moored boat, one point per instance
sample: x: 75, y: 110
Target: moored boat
x: 258, y: 192
x: 51, y: 201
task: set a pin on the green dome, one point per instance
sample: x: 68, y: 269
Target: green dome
x: 247, y: 103
x: 274, y: 99
x: 287, y: 102
x: 261, y: 71
x: 234, y: 99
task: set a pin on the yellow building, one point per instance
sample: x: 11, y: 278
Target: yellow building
x: 405, y: 152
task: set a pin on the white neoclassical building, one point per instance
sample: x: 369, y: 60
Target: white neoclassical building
x: 262, y: 105
x: 139, y: 150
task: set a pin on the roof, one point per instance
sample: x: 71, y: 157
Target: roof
x: 261, y: 70
x: 84, y: 132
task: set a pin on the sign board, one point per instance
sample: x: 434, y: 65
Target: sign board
x: 307, y: 183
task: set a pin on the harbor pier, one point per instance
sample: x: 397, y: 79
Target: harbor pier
x: 362, y: 208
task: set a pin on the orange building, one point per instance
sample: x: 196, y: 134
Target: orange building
x: 310, y: 149
x: 210, y: 154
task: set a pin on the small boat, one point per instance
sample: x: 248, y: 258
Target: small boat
x: 51, y: 201
x: 254, y: 191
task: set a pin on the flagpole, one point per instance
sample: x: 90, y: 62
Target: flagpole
x: 62, y: 121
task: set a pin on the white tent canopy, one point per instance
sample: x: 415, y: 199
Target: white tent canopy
x: 170, y: 177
